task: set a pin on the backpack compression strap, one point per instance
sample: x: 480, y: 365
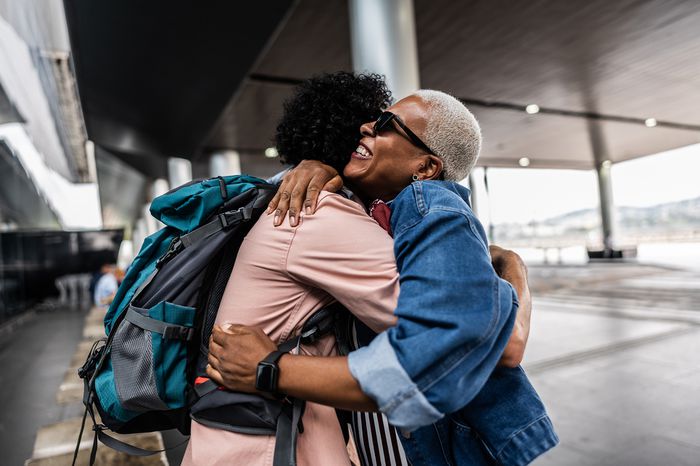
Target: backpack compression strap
x: 289, y: 424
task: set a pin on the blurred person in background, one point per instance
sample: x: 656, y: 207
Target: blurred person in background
x: 106, y: 286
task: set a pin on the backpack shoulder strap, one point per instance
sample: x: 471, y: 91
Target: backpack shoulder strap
x: 288, y: 428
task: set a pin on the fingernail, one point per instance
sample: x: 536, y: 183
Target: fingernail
x: 293, y: 220
x: 308, y: 210
x: 276, y: 220
x: 270, y: 210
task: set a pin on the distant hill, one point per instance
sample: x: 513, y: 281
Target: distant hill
x: 682, y: 217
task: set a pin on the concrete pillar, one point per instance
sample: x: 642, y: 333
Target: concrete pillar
x: 225, y: 162
x: 91, y: 164
x: 489, y: 230
x: 159, y: 186
x: 474, y: 198
x: 140, y: 233
x: 607, y: 206
x: 149, y: 224
x: 179, y: 171
x: 603, y: 166
x: 383, y: 36
x: 149, y: 221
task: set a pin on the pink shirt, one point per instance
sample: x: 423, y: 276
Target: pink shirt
x: 281, y: 277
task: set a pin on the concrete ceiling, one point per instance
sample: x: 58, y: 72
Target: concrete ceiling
x: 594, y: 67
x: 155, y: 76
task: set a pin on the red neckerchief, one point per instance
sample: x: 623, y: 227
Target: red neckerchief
x: 381, y: 212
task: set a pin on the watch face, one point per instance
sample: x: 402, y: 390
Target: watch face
x: 266, y: 378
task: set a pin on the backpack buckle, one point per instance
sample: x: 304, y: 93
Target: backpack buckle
x: 228, y: 219
x: 99, y: 427
x: 318, y: 325
x: 224, y: 221
x: 173, y: 332
x: 311, y: 335
x: 175, y: 247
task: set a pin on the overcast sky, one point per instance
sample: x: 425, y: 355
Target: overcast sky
x: 522, y: 195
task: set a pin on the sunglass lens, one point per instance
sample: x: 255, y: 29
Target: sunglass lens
x: 382, y: 121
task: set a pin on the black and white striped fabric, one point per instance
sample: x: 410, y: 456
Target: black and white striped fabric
x: 377, y: 441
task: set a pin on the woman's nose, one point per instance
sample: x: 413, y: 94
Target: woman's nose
x: 367, y: 129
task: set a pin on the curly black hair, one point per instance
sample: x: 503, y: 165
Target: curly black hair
x: 322, y: 120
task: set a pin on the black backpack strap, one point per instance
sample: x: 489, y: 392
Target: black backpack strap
x: 145, y: 283
x: 87, y: 401
x: 80, y: 436
x: 289, y: 423
x: 222, y: 221
x: 342, y: 329
x: 111, y: 442
x: 123, y: 447
x: 289, y: 345
x: 288, y: 428
x: 86, y: 372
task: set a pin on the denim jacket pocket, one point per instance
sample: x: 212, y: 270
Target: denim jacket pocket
x: 466, y: 446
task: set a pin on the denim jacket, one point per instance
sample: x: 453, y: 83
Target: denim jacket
x: 455, y: 316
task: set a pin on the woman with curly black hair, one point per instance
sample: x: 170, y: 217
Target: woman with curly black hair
x: 279, y: 280
x: 321, y: 120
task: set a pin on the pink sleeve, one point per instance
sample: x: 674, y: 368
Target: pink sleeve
x: 344, y: 252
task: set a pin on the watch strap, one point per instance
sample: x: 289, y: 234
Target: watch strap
x: 273, y: 357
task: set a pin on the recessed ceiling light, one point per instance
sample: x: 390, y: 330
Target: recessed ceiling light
x: 524, y: 162
x: 650, y: 122
x: 532, y: 109
x: 271, y: 153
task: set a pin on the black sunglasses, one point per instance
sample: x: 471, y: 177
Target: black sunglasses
x: 384, y: 122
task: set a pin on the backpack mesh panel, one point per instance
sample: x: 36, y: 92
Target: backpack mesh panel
x: 217, y: 292
x: 134, y: 376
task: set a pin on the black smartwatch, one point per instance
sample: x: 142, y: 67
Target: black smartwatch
x: 267, y: 375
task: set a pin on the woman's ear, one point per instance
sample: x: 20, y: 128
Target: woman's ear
x: 430, y: 168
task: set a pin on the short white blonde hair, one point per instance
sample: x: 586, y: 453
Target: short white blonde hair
x: 452, y: 132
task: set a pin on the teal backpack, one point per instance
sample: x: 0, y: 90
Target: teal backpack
x: 141, y: 377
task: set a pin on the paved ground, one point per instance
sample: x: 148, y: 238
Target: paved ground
x: 617, y: 362
x: 614, y: 353
x: 34, y: 358
x: 40, y: 401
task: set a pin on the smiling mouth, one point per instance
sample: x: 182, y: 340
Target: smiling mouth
x: 362, y: 153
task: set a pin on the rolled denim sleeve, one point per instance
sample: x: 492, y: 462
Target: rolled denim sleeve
x: 380, y: 375
x: 454, y: 314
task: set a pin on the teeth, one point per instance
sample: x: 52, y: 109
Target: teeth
x: 362, y: 151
